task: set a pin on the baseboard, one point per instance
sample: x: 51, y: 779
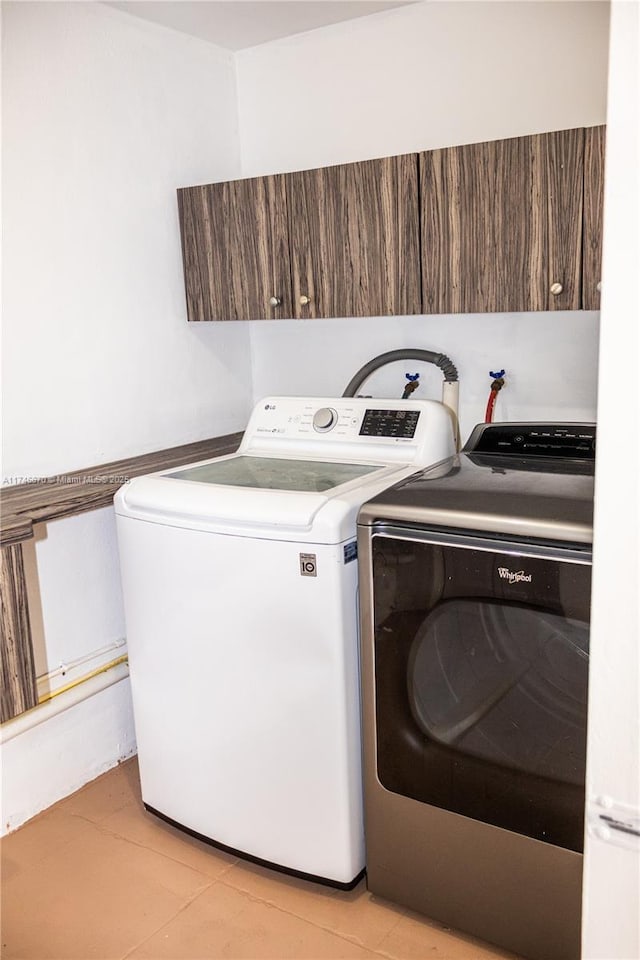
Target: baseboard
x: 53, y: 759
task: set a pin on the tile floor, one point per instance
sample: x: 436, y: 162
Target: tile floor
x: 96, y: 876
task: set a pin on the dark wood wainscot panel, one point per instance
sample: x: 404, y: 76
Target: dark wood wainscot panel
x: 235, y: 250
x: 355, y: 239
x: 502, y: 225
x: 594, y: 149
x: 19, y: 691
x: 51, y: 499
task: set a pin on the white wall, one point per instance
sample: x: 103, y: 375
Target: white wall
x: 550, y: 360
x: 425, y: 76
x: 104, y: 115
x: 612, y: 873
x: 428, y: 75
x: 73, y: 572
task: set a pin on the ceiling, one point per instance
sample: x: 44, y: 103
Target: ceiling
x: 236, y: 24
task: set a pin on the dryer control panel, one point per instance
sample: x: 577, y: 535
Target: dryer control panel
x: 575, y: 441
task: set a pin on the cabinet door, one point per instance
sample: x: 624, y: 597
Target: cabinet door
x: 235, y: 249
x: 355, y: 239
x: 501, y: 224
x: 594, y: 145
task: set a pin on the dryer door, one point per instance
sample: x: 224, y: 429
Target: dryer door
x: 481, y: 674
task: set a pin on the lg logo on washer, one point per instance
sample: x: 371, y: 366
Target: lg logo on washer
x: 308, y: 566
x: 519, y: 577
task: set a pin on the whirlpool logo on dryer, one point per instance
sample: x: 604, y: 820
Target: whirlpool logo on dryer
x: 513, y: 577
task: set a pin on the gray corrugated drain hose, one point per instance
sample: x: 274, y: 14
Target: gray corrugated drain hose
x: 441, y: 360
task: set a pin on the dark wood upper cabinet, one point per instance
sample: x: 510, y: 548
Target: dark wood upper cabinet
x: 354, y: 232
x: 235, y: 249
x: 505, y: 226
x: 594, y: 146
x: 337, y: 241
x: 501, y: 225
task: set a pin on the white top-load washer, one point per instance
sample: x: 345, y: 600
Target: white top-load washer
x: 240, y: 591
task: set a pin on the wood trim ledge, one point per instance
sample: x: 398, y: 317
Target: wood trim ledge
x: 52, y: 498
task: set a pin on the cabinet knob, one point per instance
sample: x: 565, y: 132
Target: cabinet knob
x: 599, y: 286
x: 556, y: 289
x: 304, y: 300
x: 274, y: 301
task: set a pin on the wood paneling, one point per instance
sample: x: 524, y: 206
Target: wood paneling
x: 500, y: 222
x: 355, y: 238
x: 19, y: 692
x: 594, y: 150
x: 50, y: 499
x: 14, y: 528
x: 72, y: 493
x: 235, y: 249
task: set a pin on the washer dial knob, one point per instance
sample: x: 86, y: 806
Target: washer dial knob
x: 324, y: 419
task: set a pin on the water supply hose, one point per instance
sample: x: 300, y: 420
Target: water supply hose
x: 496, y: 386
x: 441, y: 360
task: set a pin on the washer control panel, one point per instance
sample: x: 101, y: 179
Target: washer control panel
x: 350, y: 428
x: 344, y: 418
x: 390, y: 423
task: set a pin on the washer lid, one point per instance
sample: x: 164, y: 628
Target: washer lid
x: 303, y: 468
x: 271, y: 473
x: 235, y: 493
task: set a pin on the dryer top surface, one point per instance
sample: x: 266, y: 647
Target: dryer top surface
x: 539, y: 497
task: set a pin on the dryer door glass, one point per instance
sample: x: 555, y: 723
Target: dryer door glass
x: 481, y: 671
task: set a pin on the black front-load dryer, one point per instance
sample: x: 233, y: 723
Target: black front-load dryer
x: 475, y: 580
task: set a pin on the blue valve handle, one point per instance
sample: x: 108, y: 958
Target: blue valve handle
x: 496, y: 376
x: 412, y: 377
